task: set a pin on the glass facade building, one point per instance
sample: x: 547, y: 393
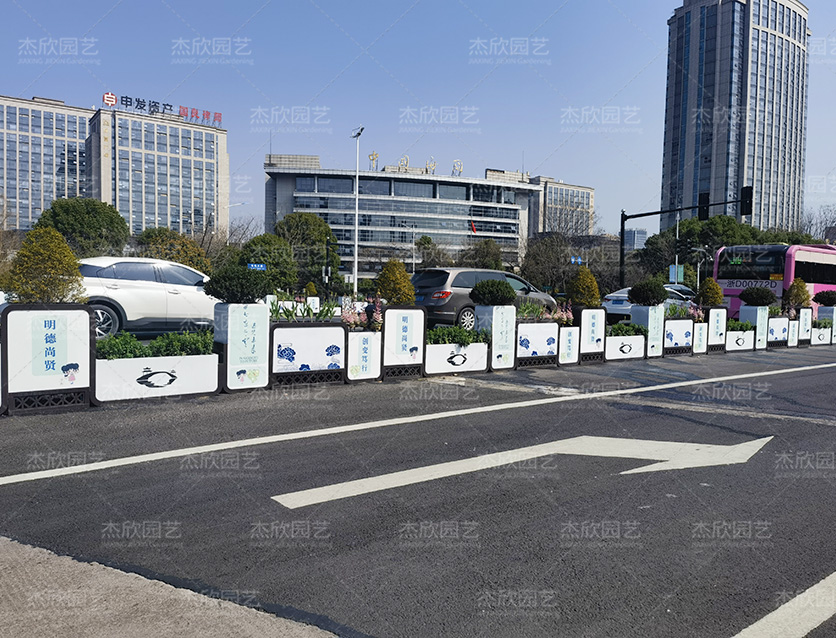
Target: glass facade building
x: 736, y: 110
x: 156, y: 170
x: 397, y: 207
x: 563, y: 208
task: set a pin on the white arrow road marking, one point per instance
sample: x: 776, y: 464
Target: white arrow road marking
x: 673, y: 456
x: 799, y: 616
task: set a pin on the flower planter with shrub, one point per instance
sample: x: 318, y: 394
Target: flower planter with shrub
x: 827, y: 308
x: 171, y: 365
x: 452, y: 349
x: 495, y: 312
x: 679, y: 332
x: 648, y: 310
x: 740, y: 335
x: 365, y: 341
x: 756, y: 311
x: 625, y: 341
x: 822, y: 332
x: 698, y: 315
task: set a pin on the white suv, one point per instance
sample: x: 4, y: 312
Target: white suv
x: 145, y: 295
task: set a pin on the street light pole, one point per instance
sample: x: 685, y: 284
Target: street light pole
x: 412, y: 228
x: 356, y: 135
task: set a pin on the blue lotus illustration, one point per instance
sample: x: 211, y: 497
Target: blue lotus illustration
x: 332, y: 350
x: 550, y: 341
x: 524, y: 343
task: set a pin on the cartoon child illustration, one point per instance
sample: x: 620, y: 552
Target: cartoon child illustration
x: 413, y: 351
x: 70, y: 372
x: 242, y: 375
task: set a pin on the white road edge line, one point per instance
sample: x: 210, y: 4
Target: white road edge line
x: 307, y: 434
x: 799, y: 616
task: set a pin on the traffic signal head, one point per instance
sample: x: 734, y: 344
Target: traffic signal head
x: 746, y: 196
x: 702, y: 213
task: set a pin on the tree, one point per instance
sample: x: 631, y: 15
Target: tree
x: 90, y: 227
x: 546, y: 263
x: 164, y: 243
x: 710, y: 293
x: 583, y: 289
x: 483, y: 254
x: 797, y: 294
x: 307, y: 234
x: 432, y: 255
x: 45, y: 270
x: 277, y: 256
x: 394, y: 285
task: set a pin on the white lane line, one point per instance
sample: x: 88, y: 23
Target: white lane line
x: 799, y: 616
x: 672, y: 455
x: 341, y: 429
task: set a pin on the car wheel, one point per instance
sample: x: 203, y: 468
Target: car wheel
x: 467, y: 319
x: 108, y: 322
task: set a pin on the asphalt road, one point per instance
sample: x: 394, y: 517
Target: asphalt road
x: 558, y: 545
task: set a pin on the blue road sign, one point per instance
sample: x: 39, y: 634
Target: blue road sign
x: 257, y: 266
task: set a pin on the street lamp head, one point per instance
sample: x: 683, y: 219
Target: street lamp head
x: 357, y: 132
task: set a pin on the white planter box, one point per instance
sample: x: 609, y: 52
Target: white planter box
x: 829, y: 312
x: 700, y: 338
x: 737, y: 340
x: 805, y: 324
x: 244, y: 332
x: 792, y: 339
x: 758, y: 316
x: 149, y: 377
x: 403, y: 336
x: 717, y: 326
x: 821, y: 336
x: 779, y: 329
x: 537, y: 339
x: 679, y: 333
x: 568, y: 350
x: 308, y: 348
x: 503, y: 337
x: 451, y: 358
x: 365, y: 354
x: 619, y: 348
x: 653, y: 318
x: 593, y: 330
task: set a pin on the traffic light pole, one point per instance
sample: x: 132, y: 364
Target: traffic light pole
x: 745, y: 210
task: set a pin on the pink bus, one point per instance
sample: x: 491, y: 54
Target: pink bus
x: 773, y: 266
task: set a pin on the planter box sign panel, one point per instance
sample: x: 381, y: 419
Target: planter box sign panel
x: 537, y: 340
x: 739, y: 340
x: 452, y: 358
x: 568, y: 351
x: 365, y: 350
x: 403, y: 337
x: 47, y: 350
x: 829, y: 312
x: 628, y: 347
x: 821, y: 337
x: 805, y: 325
x: 503, y: 337
x: 792, y: 340
x: 779, y: 330
x: 248, y: 346
x: 700, y: 338
x: 717, y: 326
x: 758, y: 316
x: 593, y: 329
x: 679, y: 336
x: 653, y: 318
x: 308, y: 348
x: 149, y: 377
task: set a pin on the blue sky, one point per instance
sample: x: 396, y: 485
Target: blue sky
x: 571, y: 89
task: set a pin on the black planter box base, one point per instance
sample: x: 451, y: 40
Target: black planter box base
x: 402, y: 372
x: 311, y: 377
x: 546, y: 360
x: 717, y: 348
x: 56, y: 401
x: 592, y: 357
x: 677, y: 351
x: 776, y: 344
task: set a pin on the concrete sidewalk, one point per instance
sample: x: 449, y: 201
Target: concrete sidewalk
x: 47, y: 595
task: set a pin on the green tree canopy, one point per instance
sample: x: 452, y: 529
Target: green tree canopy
x: 90, y: 227
x: 583, y: 289
x: 45, y: 270
x: 307, y: 234
x: 483, y: 254
x: 277, y: 255
x: 432, y: 255
x: 164, y: 243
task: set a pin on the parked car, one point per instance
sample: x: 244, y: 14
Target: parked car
x: 683, y: 290
x: 618, y: 306
x: 445, y: 293
x: 145, y: 296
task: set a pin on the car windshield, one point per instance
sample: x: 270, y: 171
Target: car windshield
x: 429, y: 279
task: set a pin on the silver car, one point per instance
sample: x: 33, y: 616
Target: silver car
x: 618, y: 306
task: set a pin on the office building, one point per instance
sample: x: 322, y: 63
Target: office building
x: 635, y: 238
x: 399, y: 204
x: 154, y: 167
x: 562, y: 208
x: 736, y: 111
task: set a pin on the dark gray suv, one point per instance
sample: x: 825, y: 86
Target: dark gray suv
x: 445, y: 293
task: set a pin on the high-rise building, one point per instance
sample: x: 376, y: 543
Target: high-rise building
x: 736, y: 111
x: 562, y: 208
x: 635, y: 238
x: 154, y: 167
x: 398, y: 205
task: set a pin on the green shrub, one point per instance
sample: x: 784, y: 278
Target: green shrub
x: 822, y: 323
x: 583, y: 289
x: 44, y: 270
x: 733, y: 325
x: 650, y: 292
x: 626, y: 330
x: 457, y: 335
x: 710, y: 293
x: 394, y: 285
x: 797, y: 294
x: 174, y: 344
x: 121, y: 346
x: 758, y: 296
x: 235, y: 283
x: 825, y: 298
x: 493, y: 292
x: 531, y: 310
x: 310, y: 289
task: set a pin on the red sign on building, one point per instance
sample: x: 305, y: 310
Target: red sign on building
x: 109, y: 99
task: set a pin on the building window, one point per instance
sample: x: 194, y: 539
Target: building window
x: 305, y: 184
x: 374, y: 186
x: 450, y: 191
x: 413, y: 189
x: 336, y: 185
